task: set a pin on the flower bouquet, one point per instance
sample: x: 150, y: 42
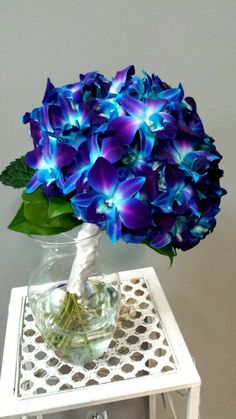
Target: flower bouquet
x: 129, y: 156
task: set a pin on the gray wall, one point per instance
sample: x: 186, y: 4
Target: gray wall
x: 185, y: 40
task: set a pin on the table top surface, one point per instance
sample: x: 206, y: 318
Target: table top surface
x: 147, y: 355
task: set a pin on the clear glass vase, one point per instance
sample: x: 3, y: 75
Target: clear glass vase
x: 79, y: 325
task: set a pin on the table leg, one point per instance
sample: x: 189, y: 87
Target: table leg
x: 193, y: 403
x: 153, y: 406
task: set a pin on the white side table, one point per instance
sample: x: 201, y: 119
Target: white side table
x: 147, y: 356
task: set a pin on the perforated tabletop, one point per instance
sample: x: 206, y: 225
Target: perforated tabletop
x: 34, y: 378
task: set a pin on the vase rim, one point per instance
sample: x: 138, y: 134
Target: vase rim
x: 62, y: 239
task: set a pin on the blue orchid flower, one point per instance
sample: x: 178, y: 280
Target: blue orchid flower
x: 138, y: 156
x: 144, y: 116
x: 179, y: 200
x: 48, y: 160
x: 109, y: 149
x: 182, y: 152
x: 111, y: 201
x: 121, y: 79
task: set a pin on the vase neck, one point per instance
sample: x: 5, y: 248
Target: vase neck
x: 86, y: 244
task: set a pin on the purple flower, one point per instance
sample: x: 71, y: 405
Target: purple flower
x: 146, y: 116
x: 162, y: 231
x: 121, y: 79
x: 91, y: 151
x: 112, y: 201
x: 48, y: 160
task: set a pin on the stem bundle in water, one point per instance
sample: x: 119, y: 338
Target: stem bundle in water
x: 78, y: 329
x: 72, y: 314
x: 71, y: 318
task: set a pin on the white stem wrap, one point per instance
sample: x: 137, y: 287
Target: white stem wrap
x: 85, y: 257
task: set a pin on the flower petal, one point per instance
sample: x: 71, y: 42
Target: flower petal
x: 57, y: 117
x: 111, y: 150
x: 132, y: 106
x: 124, y: 128
x: 63, y: 155
x: 164, y: 222
x: 70, y: 183
x: 33, y: 184
x: 103, y: 177
x: 120, y: 79
x: 165, y: 201
x: 34, y: 158
x: 92, y: 215
x: 114, y: 227
x: 26, y: 118
x: 147, y: 140
x: 171, y: 94
x: 84, y: 199
x: 161, y: 240
x: 95, y: 151
x: 48, y: 91
x: 44, y: 119
x: 154, y: 106
x: 35, y: 132
x: 134, y: 214
x: 129, y: 187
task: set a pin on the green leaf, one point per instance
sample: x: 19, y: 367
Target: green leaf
x: 21, y: 225
x: 17, y: 174
x: 59, y: 206
x: 36, y: 208
x: 33, y: 216
x: 35, y: 197
x: 167, y: 250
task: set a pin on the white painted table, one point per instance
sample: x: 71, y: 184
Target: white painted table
x: 147, y: 356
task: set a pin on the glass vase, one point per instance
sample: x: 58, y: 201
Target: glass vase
x: 77, y: 325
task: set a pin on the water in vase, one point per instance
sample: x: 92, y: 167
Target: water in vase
x: 78, y: 328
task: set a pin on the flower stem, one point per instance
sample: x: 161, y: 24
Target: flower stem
x: 71, y: 313
x: 80, y: 314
